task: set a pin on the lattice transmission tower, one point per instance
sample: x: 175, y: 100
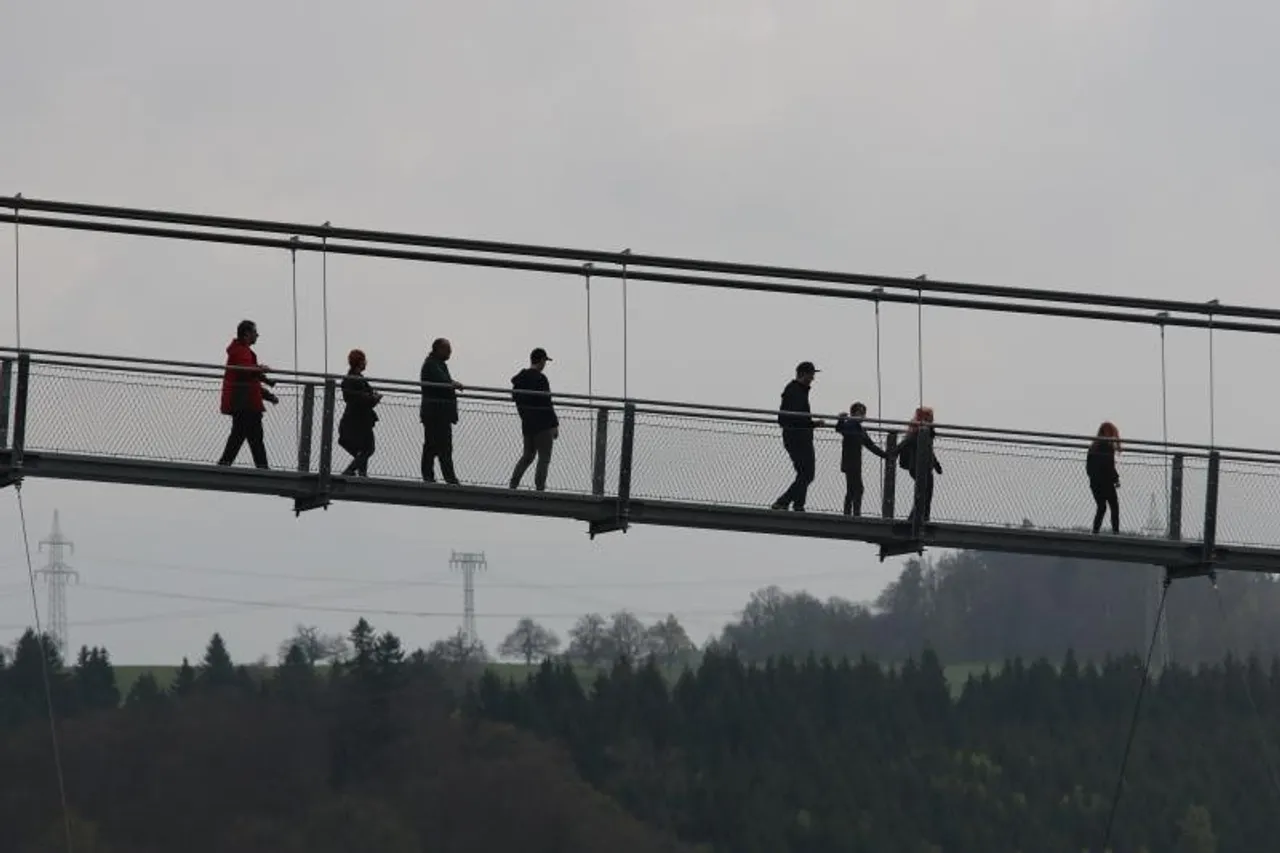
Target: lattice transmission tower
x: 58, y: 574
x: 468, y: 563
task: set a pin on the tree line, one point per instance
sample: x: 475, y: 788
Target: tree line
x: 399, y: 752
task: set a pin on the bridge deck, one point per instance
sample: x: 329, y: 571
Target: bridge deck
x: 628, y: 462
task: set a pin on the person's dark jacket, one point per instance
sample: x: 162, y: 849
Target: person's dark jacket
x: 907, y: 451
x: 439, y: 404
x: 359, y: 399
x: 795, y: 398
x: 537, y: 414
x: 855, y: 438
x: 1100, y: 464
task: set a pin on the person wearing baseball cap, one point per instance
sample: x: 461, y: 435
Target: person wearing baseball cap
x: 797, y: 436
x: 538, y: 421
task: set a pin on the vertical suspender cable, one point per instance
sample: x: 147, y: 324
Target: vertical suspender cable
x: 586, y: 271
x: 17, y: 276
x: 324, y: 293
x: 1163, y: 628
x: 297, y: 400
x: 879, y: 393
x: 625, y: 252
x: 1212, y: 401
x: 920, y: 337
x: 26, y: 544
x: 1164, y: 408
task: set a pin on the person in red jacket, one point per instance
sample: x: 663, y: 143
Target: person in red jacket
x: 243, y: 396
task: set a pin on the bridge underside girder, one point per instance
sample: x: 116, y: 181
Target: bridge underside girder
x: 604, y: 513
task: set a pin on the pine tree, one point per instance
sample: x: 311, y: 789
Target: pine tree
x: 185, y: 681
x: 145, y: 692
x: 216, y: 669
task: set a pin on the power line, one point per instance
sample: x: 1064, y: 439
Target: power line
x: 243, y: 602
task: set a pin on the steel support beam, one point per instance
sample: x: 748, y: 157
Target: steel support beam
x: 622, y: 504
x: 319, y: 497
x: 890, y: 475
x: 1181, y: 558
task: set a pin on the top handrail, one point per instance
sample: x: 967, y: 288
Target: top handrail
x: 629, y: 260
x: 96, y: 361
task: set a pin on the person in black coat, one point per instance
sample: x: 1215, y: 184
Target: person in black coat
x: 855, y: 438
x: 539, y: 423
x: 439, y: 412
x: 797, y: 435
x: 1104, y: 479
x: 355, y: 429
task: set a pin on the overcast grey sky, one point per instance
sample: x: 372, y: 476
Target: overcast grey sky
x: 1096, y: 146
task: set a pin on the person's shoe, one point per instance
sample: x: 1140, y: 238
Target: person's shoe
x: 779, y: 505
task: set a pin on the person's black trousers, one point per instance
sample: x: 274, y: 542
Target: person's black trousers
x: 853, y: 490
x: 437, y: 442
x: 1104, y: 495
x: 923, y: 495
x: 799, y: 446
x: 245, y: 426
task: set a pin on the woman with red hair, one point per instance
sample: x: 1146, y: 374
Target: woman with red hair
x: 916, y: 457
x: 1103, y: 477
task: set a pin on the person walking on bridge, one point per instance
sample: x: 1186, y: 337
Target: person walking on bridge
x: 439, y: 412
x: 1104, y: 479
x: 243, y: 395
x: 916, y: 457
x: 538, y: 420
x: 355, y: 429
x: 797, y: 435
x: 854, y: 439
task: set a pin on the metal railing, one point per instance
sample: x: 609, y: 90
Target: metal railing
x: 635, y: 450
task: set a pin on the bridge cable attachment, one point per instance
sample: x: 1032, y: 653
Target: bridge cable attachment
x: 43, y: 640
x: 17, y: 272
x: 293, y: 266
x: 1133, y: 722
x: 625, y: 254
x: 1268, y: 748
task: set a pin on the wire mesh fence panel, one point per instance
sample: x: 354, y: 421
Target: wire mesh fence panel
x: 1248, y: 503
x: 736, y: 463
x: 487, y: 443
x: 147, y: 416
x: 1195, y: 488
x: 998, y: 482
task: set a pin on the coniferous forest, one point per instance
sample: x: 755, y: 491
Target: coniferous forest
x: 757, y: 743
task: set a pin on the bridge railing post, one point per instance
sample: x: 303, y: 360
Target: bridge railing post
x: 20, y: 411
x: 6, y: 399
x: 1211, y: 506
x: 600, y: 451
x: 305, y: 431
x: 624, y: 463
x: 326, y: 435
x: 890, y: 476
x: 1175, y: 497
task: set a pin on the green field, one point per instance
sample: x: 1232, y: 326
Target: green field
x: 164, y: 675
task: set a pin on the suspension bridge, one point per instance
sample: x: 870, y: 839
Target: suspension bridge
x: 622, y: 461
